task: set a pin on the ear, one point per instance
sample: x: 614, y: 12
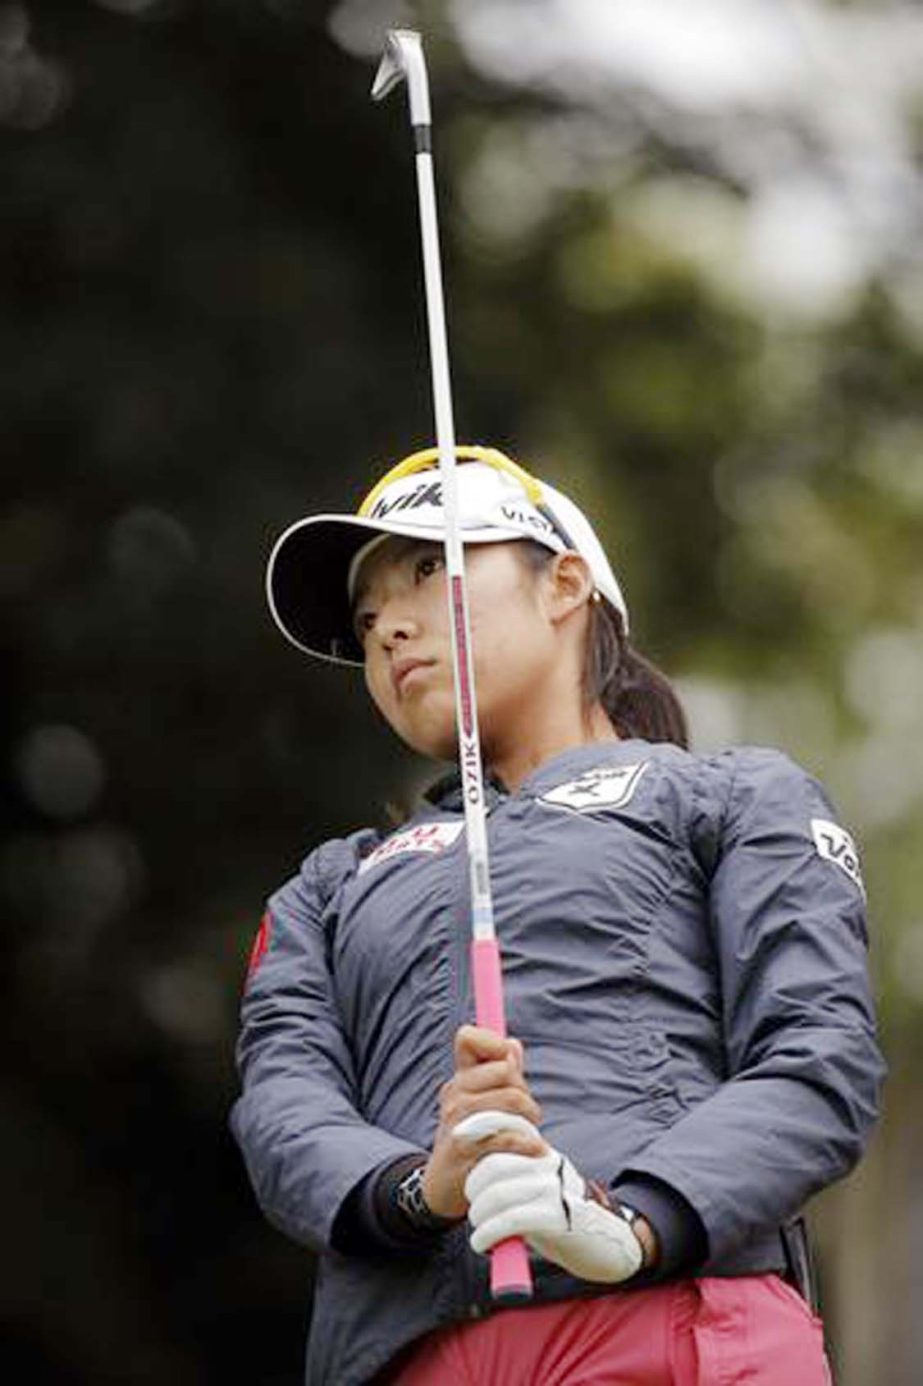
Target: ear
x: 570, y: 585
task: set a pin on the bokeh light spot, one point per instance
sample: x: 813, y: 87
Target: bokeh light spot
x: 60, y: 771
x: 149, y: 549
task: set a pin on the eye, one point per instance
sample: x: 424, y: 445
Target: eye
x: 426, y: 565
x: 363, y: 622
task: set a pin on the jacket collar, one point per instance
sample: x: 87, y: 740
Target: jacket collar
x: 446, y: 792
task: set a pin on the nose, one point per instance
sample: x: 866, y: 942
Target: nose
x: 395, y: 624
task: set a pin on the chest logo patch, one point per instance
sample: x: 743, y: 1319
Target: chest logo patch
x: 834, y: 844
x: 425, y: 837
x: 596, y: 790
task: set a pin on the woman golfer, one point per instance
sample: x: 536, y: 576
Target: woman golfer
x: 692, y: 1050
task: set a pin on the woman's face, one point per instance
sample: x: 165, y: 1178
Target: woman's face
x: 402, y: 621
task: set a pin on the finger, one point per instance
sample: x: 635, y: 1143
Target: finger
x: 514, y: 1142
x: 515, y: 1100
x: 524, y: 1220
x: 502, y: 1179
x: 493, y: 1073
x: 475, y: 1043
x: 480, y: 1125
x: 469, y: 1153
x: 516, y: 1053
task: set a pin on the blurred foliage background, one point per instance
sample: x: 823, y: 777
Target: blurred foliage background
x: 684, y: 279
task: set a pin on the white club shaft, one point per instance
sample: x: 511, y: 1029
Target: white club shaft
x: 403, y: 59
x: 469, y: 748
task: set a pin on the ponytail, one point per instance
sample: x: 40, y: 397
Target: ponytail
x: 636, y: 696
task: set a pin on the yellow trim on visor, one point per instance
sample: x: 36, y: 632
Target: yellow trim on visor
x: 429, y: 457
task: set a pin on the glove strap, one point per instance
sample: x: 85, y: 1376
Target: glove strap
x: 601, y: 1195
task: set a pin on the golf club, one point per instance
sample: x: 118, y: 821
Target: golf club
x: 403, y: 59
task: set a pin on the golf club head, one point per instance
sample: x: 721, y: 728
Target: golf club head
x: 403, y: 59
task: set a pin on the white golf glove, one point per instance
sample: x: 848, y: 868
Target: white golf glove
x: 544, y: 1199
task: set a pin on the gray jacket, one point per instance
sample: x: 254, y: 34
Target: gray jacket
x: 684, y: 951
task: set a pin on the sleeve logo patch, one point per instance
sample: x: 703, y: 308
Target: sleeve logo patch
x: 425, y: 837
x: 834, y: 844
x: 260, y: 945
x: 596, y: 791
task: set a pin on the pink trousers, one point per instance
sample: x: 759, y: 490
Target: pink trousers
x: 743, y: 1331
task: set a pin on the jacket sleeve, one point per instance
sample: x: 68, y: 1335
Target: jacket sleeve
x: 297, y: 1120
x: 803, y: 1067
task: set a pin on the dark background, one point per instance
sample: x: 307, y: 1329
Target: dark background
x: 211, y: 321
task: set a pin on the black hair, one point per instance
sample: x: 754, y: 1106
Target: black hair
x: 635, y: 695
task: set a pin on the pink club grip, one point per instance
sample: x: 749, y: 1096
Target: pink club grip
x: 488, y: 985
x: 510, y: 1272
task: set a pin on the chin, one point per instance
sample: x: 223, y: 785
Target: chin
x: 440, y: 748
x: 433, y: 736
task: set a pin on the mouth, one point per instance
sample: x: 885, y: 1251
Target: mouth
x: 404, y: 669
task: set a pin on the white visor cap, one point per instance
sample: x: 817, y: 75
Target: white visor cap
x: 311, y: 574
